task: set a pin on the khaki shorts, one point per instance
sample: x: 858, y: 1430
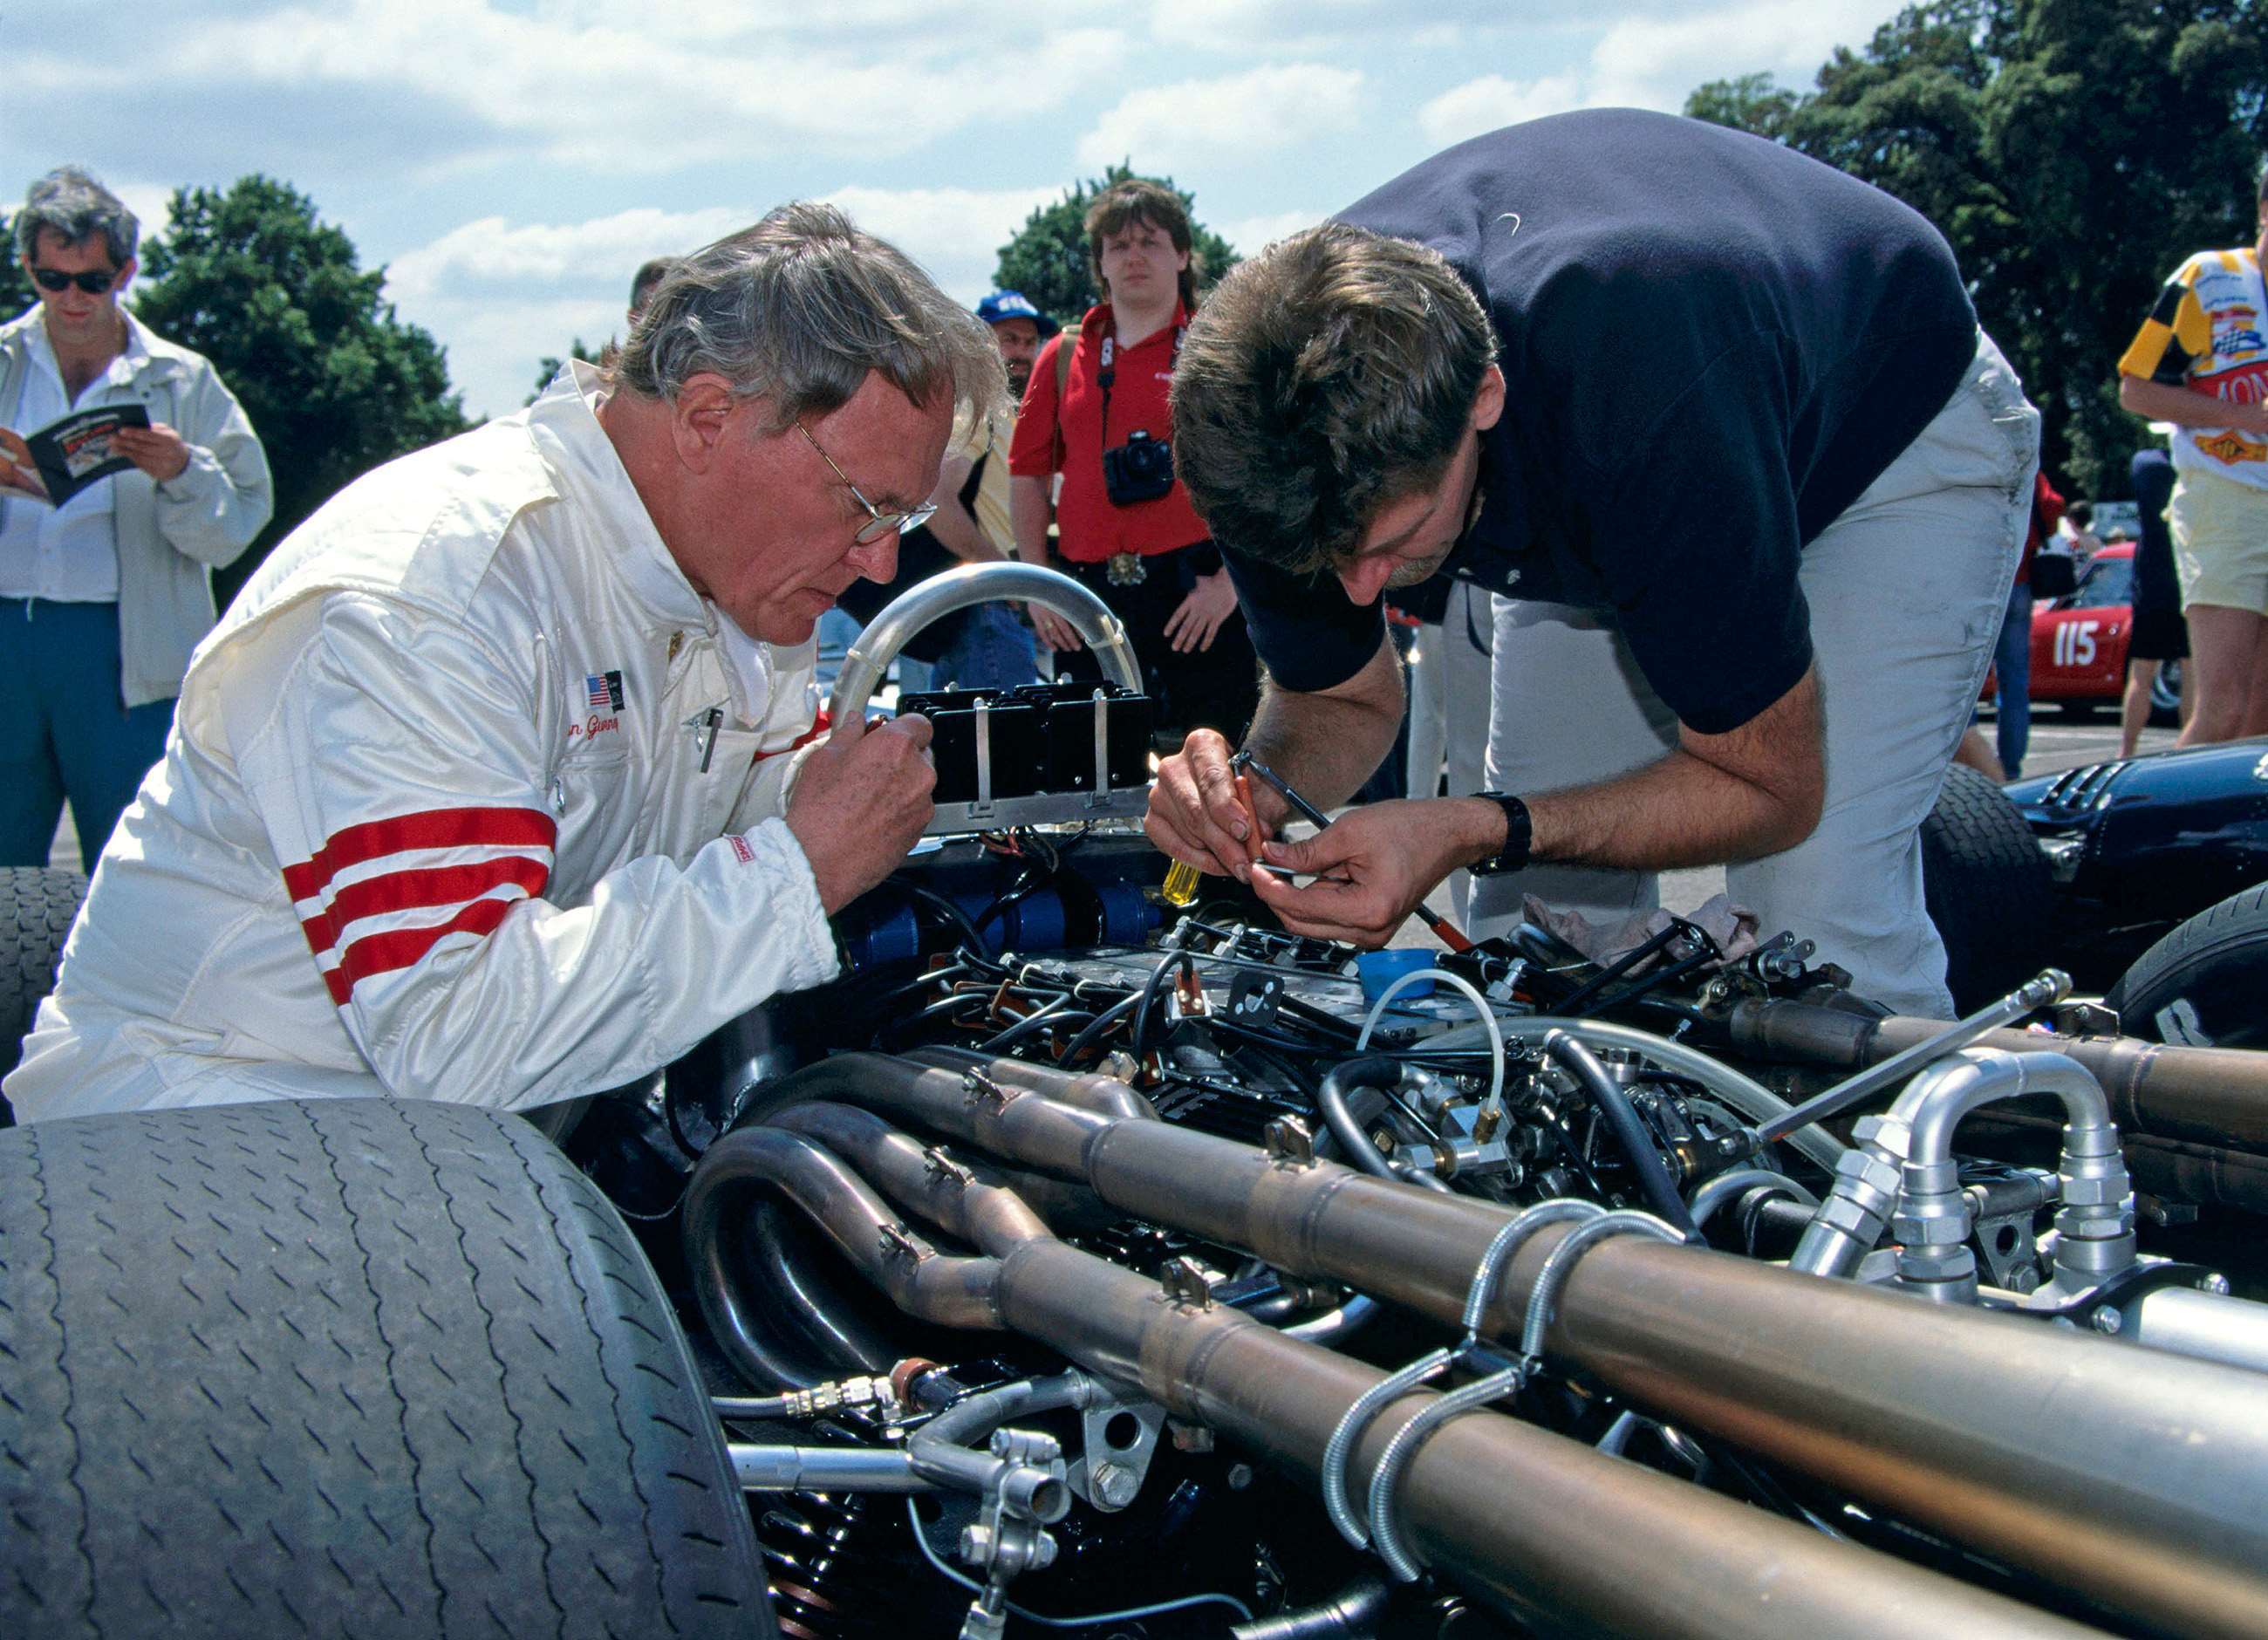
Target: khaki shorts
x: 2220, y: 541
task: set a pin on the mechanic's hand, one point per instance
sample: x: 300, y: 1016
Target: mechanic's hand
x: 157, y: 449
x: 1197, y: 620
x: 860, y: 802
x: 18, y: 474
x: 1391, y: 855
x: 1052, y: 629
x: 1202, y: 811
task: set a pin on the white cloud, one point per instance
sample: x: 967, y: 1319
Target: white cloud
x: 1215, y: 121
x: 1656, y: 61
x: 1484, y: 104
x: 605, y: 250
x: 1248, y: 236
x: 955, y: 232
x: 505, y: 295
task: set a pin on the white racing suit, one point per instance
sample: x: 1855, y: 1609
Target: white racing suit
x: 471, y: 797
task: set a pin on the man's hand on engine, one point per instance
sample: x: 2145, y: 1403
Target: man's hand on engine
x: 860, y: 803
x: 1202, y: 811
x: 1390, y: 856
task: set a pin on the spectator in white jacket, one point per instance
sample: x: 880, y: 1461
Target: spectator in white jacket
x: 103, y: 597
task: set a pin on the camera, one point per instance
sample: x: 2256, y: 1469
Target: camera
x: 1140, y: 469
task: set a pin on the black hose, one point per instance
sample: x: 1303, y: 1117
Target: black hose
x: 1608, y: 1097
x: 1095, y: 1028
x: 1376, y: 1072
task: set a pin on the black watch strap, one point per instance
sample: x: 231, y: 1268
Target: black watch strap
x: 1519, y: 835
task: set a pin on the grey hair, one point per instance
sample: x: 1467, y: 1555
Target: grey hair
x: 69, y: 204
x: 800, y: 309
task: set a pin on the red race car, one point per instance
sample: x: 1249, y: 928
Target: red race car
x: 2079, y: 643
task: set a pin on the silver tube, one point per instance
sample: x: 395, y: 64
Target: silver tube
x: 2095, y: 1227
x: 822, y: 1469
x: 2052, y: 985
x: 1083, y: 1089
x: 941, y: 595
x: 2208, y: 1325
x: 1744, y: 1094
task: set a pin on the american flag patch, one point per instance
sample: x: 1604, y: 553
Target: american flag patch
x: 604, y: 691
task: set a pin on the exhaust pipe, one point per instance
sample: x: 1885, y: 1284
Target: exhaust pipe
x: 2056, y: 1452
x: 1547, y: 1530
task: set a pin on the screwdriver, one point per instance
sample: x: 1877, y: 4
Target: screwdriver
x: 1444, y: 930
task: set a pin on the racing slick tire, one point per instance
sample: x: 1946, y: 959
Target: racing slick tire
x: 37, y: 905
x: 1986, y: 887
x: 366, y: 1367
x: 2205, y: 983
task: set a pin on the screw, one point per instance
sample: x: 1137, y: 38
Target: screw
x: 1114, y: 1485
x: 2107, y: 1320
x: 976, y: 1544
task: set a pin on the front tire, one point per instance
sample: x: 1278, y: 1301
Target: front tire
x: 361, y: 1366
x: 2205, y: 983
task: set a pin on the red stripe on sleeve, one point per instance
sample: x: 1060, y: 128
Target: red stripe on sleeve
x: 404, y: 891
x: 433, y: 828
x: 402, y: 948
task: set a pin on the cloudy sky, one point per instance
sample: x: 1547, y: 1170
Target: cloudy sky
x: 510, y: 162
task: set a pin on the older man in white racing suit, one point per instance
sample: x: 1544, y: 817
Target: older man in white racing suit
x: 481, y: 793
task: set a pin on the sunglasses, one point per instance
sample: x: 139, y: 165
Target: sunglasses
x: 94, y: 281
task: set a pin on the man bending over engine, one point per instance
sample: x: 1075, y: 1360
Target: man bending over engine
x: 479, y: 792
x: 1720, y: 423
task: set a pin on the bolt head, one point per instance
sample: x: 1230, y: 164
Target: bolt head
x: 2108, y: 1320
x: 976, y: 1543
x: 2215, y: 1284
x: 1239, y: 1476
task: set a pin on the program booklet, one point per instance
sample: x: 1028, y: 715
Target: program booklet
x: 77, y: 452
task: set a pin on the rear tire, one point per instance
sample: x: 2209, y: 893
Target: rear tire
x: 2205, y: 983
x: 357, y: 1366
x: 37, y: 905
x: 1987, y: 888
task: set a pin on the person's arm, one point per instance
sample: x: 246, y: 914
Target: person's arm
x: 411, y: 791
x: 952, y: 523
x: 1750, y: 791
x: 2186, y: 407
x: 1031, y: 509
x: 213, y: 489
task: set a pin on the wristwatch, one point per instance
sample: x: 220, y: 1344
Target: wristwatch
x: 1519, y: 835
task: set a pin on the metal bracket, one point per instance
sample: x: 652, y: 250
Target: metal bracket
x: 1290, y: 1141
x: 976, y: 1088
x: 944, y: 1168
x: 1121, y: 1437
x: 898, y: 1243
x: 1184, y: 1282
x: 1101, y: 795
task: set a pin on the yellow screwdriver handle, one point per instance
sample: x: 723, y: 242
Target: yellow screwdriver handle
x: 1180, y: 886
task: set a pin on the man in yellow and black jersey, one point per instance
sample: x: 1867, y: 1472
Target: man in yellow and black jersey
x: 2200, y: 361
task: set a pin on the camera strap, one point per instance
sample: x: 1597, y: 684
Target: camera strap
x: 1107, y: 370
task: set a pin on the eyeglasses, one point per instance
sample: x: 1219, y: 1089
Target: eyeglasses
x: 94, y: 281
x: 880, y: 523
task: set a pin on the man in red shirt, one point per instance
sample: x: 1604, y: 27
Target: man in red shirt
x: 1126, y: 528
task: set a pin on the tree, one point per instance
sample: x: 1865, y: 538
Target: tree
x: 549, y: 366
x: 2072, y: 152
x: 1048, y: 261
x: 333, y: 382
x: 16, y: 292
